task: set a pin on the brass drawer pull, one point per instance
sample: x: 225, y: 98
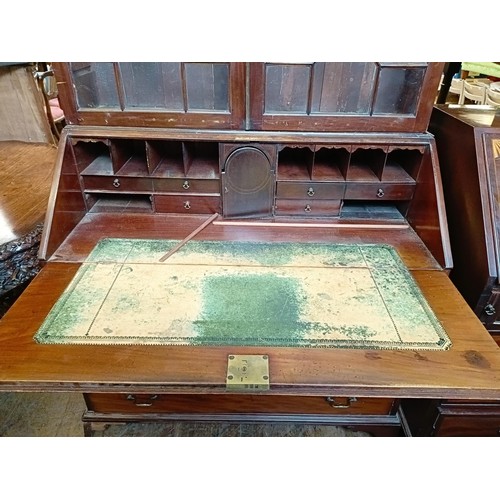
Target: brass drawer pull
x: 343, y: 403
x: 307, y: 208
x: 187, y: 205
x: 142, y: 400
x: 310, y: 192
x: 186, y: 185
x: 489, y: 310
x: 380, y: 193
x: 116, y: 183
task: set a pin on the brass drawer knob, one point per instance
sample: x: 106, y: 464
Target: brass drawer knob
x: 187, y: 205
x: 340, y: 402
x: 310, y: 192
x: 307, y: 208
x: 186, y: 185
x: 380, y: 193
x: 116, y: 183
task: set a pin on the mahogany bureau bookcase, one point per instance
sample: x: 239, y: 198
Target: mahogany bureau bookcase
x: 287, y: 156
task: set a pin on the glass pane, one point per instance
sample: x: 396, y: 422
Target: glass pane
x: 152, y: 85
x: 95, y: 85
x: 287, y: 88
x: 398, y: 90
x: 207, y: 86
x: 345, y: 87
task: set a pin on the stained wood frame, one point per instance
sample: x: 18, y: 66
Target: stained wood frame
x: 232, y: 119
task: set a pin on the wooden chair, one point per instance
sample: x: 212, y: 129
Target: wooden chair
x: 23, y: 115
x: 48, y: 88
x: 492, y: 97
x: 475, y: 92
x: 457, y: 87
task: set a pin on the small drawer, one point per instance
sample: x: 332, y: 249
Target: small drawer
x: 468, y: 425
x: 468, y: 418
x: 170, y: 185
x: 378, y: 191
x: 308, y: 208
x: 198, y: 204
x: 237, y: 403
x: 116, y: 183
x: 310, y: 190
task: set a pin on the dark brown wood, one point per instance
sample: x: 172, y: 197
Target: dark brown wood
x: 304, y: 207
x: 334, y: 180
x: 236, y: 403
x: 190, y: 236
x: 470, y: 369
x: 298, y: 117
x: 374, y: 167
x: 376, y: 425
x: 181, y: 204
x: 248, y: 176
x: 453, y: 418
x: 234, y: 118
x: 462, y: 134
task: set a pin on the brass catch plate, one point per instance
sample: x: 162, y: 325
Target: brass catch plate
x: 247, y: 372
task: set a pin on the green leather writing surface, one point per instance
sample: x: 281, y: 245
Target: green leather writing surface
x: 244, y: 293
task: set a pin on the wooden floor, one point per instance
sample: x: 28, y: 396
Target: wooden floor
x: 25, y: 178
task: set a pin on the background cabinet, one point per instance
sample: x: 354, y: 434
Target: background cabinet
x: 468, y: 141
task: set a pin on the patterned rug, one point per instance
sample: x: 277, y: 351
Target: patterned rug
x: 244, y: 293
x: 18, y: 266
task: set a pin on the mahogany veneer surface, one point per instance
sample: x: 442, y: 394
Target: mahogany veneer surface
x: 469, y: 369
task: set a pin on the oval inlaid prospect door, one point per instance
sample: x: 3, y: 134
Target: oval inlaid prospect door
x: 248, y: 179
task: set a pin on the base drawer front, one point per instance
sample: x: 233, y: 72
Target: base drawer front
x: 310, y: 190
x: 236, y: 403
x: 177, y: 185
x: 311, y: 208
x: 378, y: 191
x: 468, y: 418
x: 198, y: 204
x: 116, y: 183
x: 468, y: 425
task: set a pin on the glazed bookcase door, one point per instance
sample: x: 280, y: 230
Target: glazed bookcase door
x: 166, y: 94
x: 343, y: 96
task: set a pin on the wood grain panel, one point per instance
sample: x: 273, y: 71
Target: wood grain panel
x: 470, y: 369
x: 26, y: 172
